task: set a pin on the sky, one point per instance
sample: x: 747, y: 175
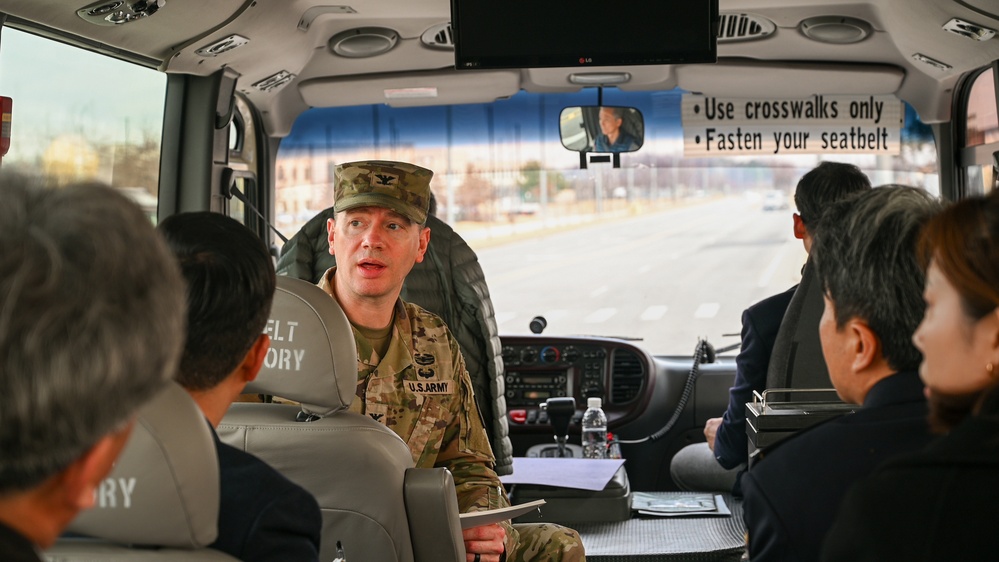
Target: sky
x: 78, y: 92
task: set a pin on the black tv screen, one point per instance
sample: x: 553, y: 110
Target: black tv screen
x: 551, y: 33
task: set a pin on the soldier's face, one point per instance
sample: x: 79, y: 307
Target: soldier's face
x: 375, y: 249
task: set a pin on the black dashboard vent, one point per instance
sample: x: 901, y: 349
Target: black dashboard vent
x: 627, y: 377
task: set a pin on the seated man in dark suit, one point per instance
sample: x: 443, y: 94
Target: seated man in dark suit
x: 717, y: 464
x: 230, y: 276
x: 866, y: 260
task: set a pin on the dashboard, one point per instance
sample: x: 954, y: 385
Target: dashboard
x: 640, y: 393
x: 541, y: 367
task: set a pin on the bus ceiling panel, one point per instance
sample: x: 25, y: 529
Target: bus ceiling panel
x: 152, y: 34
x: 407, y: 55
x: 306, y: 32
x: 787, y: 80
x: 987, y: 8
x: 899, y: 29
x: 437, y: 88
x: 258, y: 42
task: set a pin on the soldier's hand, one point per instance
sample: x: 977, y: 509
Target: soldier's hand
x: 485, y: 541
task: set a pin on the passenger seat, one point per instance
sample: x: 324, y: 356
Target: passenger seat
x: 796, y: 360
x: 161, y: 501
x: 796, y: 364
x: 372, y: 500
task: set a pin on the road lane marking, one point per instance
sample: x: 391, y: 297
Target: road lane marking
x: 504, y: 317
x: 707, y: 310
x: 555, y: 314
x: 600, y: 315
x: 654, y: 312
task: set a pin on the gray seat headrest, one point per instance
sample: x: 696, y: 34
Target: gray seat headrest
x: 312, y: 358
x: 796, y: 360
x: 164, y: 489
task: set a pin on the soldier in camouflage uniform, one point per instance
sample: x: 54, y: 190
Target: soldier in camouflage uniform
x: 411, y: 374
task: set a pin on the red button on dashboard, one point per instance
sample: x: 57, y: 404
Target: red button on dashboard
x: 518, y: 416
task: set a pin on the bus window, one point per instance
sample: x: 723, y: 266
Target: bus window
x: 664, y: 249
x: 81, y: 116
x: 981, y: 134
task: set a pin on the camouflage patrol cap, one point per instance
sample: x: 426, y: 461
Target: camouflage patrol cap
x: 402, y: 187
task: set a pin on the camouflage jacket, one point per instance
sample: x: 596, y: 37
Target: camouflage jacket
x: 422, y: 391
x: 449, y: 282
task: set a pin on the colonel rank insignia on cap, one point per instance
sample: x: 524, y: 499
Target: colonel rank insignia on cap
x: 402, y: 187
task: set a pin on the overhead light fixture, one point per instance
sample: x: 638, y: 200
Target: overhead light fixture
x: 599, y: 78
x: 836, y: 30
x: 931, y: 61
x: 274, y: 81
x: 363, y: 42
x: 222, y: 45
x: 410, y: 93
x: 117, y: 12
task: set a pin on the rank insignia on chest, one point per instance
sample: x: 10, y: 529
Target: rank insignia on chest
x: 430, y: 387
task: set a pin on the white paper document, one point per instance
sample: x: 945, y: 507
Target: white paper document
x: 582, y: 474
x: 479, y: 518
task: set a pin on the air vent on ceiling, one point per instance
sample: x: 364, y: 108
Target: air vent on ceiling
x: 117, y: 12
x: 627, y: 377
x: 274, y: 81
x: 969, y: 30
x: 222, y: 45
x: 439, y: 37
x: 743, y: 27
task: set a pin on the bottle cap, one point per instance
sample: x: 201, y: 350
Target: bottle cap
x: 594, y: 402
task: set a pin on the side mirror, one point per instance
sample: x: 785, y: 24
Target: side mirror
x: 602, y: 128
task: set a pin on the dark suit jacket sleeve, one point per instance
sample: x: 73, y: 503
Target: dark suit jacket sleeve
x: 264, y: 517
x: 764, y: 529
x: 750, y: 374
x: 286, y: 529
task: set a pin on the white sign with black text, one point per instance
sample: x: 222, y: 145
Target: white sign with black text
x: 821, y: 124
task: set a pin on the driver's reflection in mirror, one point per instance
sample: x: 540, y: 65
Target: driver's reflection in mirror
x: 612, y: 138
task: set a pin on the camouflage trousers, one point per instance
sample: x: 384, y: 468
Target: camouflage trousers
x: 541, y: 542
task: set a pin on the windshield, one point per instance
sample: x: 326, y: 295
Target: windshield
x: 664, y: 249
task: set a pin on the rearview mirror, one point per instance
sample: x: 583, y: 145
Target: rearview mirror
x: 604, y: 128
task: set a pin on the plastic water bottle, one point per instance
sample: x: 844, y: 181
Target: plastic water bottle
x: 594, y: 430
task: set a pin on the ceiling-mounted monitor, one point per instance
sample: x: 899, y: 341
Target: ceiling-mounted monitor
x: 582, y: 33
